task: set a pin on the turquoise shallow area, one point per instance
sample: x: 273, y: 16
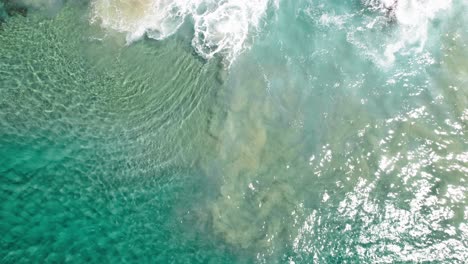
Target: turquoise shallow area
x: 313, y: 146
x: 95, y: 153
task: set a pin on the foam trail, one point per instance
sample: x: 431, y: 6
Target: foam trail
x: 221, y: 26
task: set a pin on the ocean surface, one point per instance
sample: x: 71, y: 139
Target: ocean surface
x: 234, y: 131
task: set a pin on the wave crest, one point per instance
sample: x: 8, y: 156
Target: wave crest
x: 221, y: 27
x: 413, y: 17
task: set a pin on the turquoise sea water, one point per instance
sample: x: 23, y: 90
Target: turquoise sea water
x: 234, y: 131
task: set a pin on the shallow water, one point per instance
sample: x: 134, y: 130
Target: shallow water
x: 234, y: 132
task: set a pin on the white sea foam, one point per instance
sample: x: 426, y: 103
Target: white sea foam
x: 221, y: 26
x: 413, y: 18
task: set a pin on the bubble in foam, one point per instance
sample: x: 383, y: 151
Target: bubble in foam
x: 221, y: 27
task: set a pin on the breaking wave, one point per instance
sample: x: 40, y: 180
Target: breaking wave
x: 221, y: 27
x: 413, y: 18
x: 226, y: 27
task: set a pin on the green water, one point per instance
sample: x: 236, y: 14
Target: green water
x: 313, y: 146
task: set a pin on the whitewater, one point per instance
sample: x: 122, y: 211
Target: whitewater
x: 228, y: 27
x: 234, y: 131
x: 219, y: 26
